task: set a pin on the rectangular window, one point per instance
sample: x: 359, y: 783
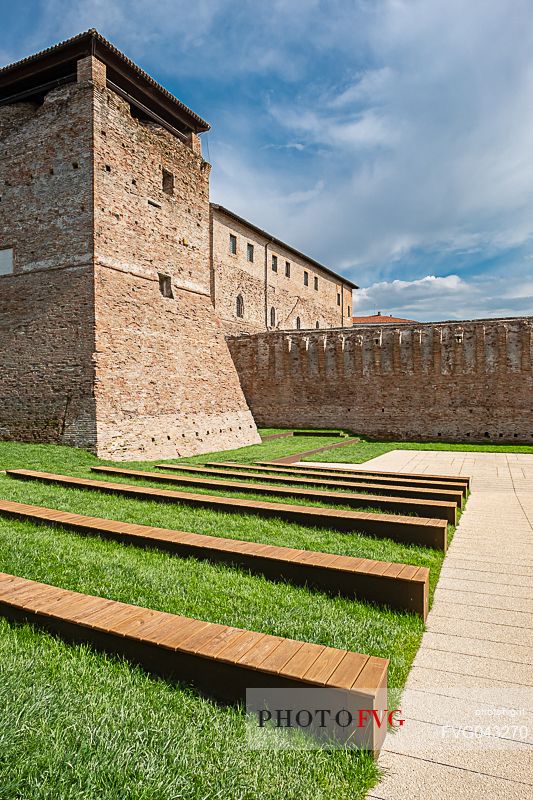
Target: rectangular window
x: 250, y: 252
x: 165, y: 285
x: 287, y: 269
x: 274, y: 263
x: 233, y: 244
x: 306, y: 278
x: 6, y: 261
x: 349, y: 310
x: 168, y: 182
x: 338, y: 298
x: 316, y: 284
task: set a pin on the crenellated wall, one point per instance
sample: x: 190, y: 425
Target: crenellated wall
x: 457, y: 381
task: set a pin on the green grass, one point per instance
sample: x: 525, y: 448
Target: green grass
x: 84, y: 726
x: 366, y: 449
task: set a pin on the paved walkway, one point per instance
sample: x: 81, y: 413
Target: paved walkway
x: 474, y: 667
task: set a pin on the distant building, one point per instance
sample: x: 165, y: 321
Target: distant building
x: 259, y: 283
x: 380, y: 319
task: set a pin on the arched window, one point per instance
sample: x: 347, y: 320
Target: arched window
x: 298, y: 323
x: 240, y: 306
x: 272, y: 317
x: 317, y: 324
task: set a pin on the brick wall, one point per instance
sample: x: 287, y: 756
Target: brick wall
x: 92, y: 353
x: 459, y: 381
x: 165, y: 381
x: 262, y: 288
x: 46, y: 305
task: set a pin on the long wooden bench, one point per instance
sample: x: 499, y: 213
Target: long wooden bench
x: 220, y: 660
x: 343, y: 477
x: 435, y: 509
x: 391, y: 490
x: 413, y: 530
x: 458, y: 483
x: 400, y: 586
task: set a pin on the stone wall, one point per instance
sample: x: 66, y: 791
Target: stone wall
x: 466, y: 381
x: 92, y: 353
x: 165, y: 382
x: 47, y: 304
x: 263, y: 289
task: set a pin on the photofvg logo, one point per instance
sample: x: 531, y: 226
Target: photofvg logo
x: 315, y: 718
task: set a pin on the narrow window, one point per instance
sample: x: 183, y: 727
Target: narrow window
x: 274, y: 263
x: 233, y: 244
x: 306, y: 278
x: 168, y: 182
x: 298, y: 323
x: 316, y: 284
x: 338, y: 298
x: 349, y: 310
x: 317, y: 324
x: 6, y: 261
x: 250, y: 252
x: 287, y: 269
x: 272, y: 317
x: 240, y: 306
x: 165, y: 285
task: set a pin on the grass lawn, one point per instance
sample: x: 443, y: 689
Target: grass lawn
x: 366, y: 449
x: 84, y: 726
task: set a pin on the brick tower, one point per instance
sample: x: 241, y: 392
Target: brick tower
x: 109, y: 339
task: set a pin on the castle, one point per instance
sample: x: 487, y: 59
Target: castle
x: 123, y: 290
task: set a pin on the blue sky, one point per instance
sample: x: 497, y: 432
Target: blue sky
x: 390, y: 139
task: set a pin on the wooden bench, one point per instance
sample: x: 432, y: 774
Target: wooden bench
x: 407, y: 479
x: 400, y: 586
x: 391, y: 490
x: 435, y: 509
x: 413, y: 530
x: 345, y: 477
x: 220, y: 660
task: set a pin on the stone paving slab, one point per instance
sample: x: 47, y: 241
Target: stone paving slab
x: 437, y: 781
x: 465, y: 645
x: 479, y: 637
x: 484, y: 631
x: 500, y: 578
x: 485, y: 600
x: 458, y: 684
x: 498, y: 616
x: 513, y: 590
x: 476, y: 666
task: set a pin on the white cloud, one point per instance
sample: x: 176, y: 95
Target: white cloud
x: 448, y: 297
x: 380, y: 137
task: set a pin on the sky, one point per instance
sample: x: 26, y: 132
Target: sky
x: 391, y: 140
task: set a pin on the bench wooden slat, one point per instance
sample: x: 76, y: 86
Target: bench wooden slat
x: 325, y: 665
x: 222, y: 640
x: 347, y: 671
x: 303, y: 659
x: 435, y: 509
x: 262, y: 649
x: 237, y: 648
x: 276, y: 660
x: 364, y: 579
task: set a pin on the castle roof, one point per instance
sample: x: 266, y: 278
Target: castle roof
x: 283, y: 245
x: 33, y: 76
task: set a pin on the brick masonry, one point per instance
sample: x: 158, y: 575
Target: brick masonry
x: 455, y: 381
x: 47, y: 305
x: 92, y: 352
x: 263, y: 289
